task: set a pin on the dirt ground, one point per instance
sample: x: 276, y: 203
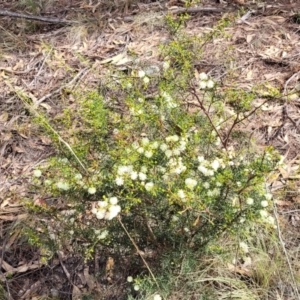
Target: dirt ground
x: 42, y: 61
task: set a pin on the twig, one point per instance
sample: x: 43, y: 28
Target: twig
x: 37, y: 18
x: 81, y: 72
x: 191, y: 10
x: 285, y: 252
x: 138, y: 251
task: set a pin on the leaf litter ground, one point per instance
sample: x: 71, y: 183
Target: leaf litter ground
x: 44, y: 62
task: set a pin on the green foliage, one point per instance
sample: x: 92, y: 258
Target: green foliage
x: 138, y: 158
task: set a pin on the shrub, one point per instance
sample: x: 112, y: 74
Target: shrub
x: 152, y: 161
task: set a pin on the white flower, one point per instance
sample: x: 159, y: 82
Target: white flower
x: 163, y: 147
x: 94, y: 210
x: 144, y: 169
x: 63, y: 186
x: 102, y: 204
x: 140, y: 150
x: 206, y: 185
x: 172, y: 138
x: 78, y: 176
x: 129, y: 279
x: 161, y: 169
x: 168, y: 153
x: 268, y: 196
x: 103, y: 235
x: 176, y: 152
x: 202, y: 85
x: 264, y: 203
x: 135, y: 145
x: 154, y: 145
x: 119, y: 181
x: 215, y: 165
x: 136, y: 287
x: 92, y: 190
x: 190, y: 183
x: 37, y: 173
x: 149, y: 186
x: 210, y: 84
x: 133, y: 175
x: 263, y: 213
x: 181, y: 194
x: 148, y: 154
x: 249, y: 201
x: 113, y: 211
x: 113, y: 200
x: 203, y: 170
x: 166, y: 65
x: 145, y: 141
x: 100, y: 214
x: 122, y: 170
x: 141, y: 73
x: 244, y: 247
x: 142, y: 176
x: 203, y: 76
x: 157, y: 297
x: 146, y: 80
x: 200, y: 159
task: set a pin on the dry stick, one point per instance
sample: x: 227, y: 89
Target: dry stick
x: 37, y: 18
x: 138, y: 251
x: 191, y: 10
x: 285, y: 252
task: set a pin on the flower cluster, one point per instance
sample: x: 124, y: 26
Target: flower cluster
x: 107, y: 209
x: 205, y: 82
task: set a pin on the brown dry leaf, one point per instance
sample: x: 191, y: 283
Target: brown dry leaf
x: 283, y: 203
x: 76, y: 293
x: 4, y: 117
x: 241, y: 271
x: 88, y: 278
x: 109, y: 268
x: 13, y: 218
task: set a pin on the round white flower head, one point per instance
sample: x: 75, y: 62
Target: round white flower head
x: 249, y: 201
x: 149, y: 186
x: 168, y: 153
x: 113, y: 200
x: 203, y: 170
x: 148, y: 154
x: 206, y: 185
x: 136, y: 287
x: 144, y: 169
x: 63, y: 186
x: 37, y: 173
x: 122, y: 170
x: 142, y: 176
x: 172, y: 138
x: 210, y: 84
x: 140, y: 150
x: 190, y: 183
x: 129, y: 279
x: 146, y: 80
x: 141, y: 73
x: 100, y: 214
x: 94, y: 210
x: 176, y: 152
x: 163, y: 147
x: 78, y: 176
x: 263, y: 213
x: 102, y: 204
x: 119, y: 180
x: 215, y: 165
x: 113, y: 211
x: 202, y: 85
x: 103, y: 235
x: 244, y: 247
x: 92, y: 190
x: 154, y: 145
x: 157, y: 297
x: 264, y: 203
x: 181, y: 194
x: 135, y: 145
x: 166, y: 65
x: 203, y: 76
x: 133, y: 175
x: 269, y: 196
x: 145, y: 141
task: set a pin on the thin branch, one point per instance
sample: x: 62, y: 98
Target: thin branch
x: 138, y: 251
x: 12, y: 14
